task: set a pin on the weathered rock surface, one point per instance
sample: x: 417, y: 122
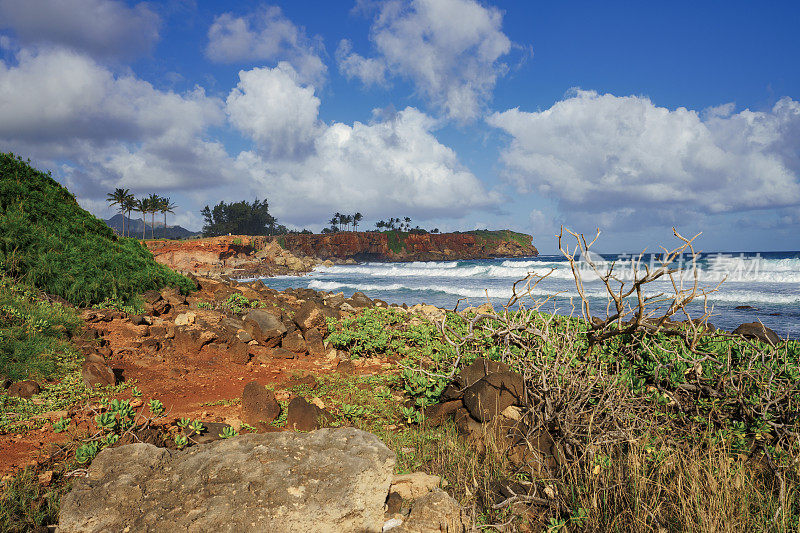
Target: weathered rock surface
x: 331, y: 480
x: 96, y: 374
x: 24, y: 389
x: 304, y: 416
x: 435, y: 512
x: 259, y: 405
x: 757, y: 330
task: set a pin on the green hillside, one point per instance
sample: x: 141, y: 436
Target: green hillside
x: 48, y: 241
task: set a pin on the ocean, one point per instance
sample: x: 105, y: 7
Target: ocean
x: 761, y: 286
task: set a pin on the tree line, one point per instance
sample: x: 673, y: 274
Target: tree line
x: 340, y: 222
x: 127, y: 203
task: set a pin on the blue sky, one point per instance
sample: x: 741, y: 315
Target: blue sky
x: 460, y: 114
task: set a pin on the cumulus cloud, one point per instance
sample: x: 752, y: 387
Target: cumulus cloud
x: 272, y: 108
x: 266, y: 35
x: 102, y: 28
x: 60, y: 106
x: 628, y: 159
x: 393, y: 164
x: 449, y: 49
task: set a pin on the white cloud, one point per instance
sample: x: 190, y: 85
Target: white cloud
x: 394, y: 164
x: 102, y: 28
x: 269, y: 106
x: 61, y: 106
x: 626, y: 158
x: 449, y: 49
x: 266, y: 35
x: 370, y: 71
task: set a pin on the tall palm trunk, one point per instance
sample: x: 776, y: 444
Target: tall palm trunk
x: 165, y: 224
x: 144, y: 224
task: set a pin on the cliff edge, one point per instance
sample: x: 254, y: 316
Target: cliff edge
x: 404, y: 246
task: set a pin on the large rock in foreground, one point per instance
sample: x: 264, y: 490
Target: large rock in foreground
x: 331, y: 480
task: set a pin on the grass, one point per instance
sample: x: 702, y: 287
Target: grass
x: 26, y: 505
x: 49, y: 242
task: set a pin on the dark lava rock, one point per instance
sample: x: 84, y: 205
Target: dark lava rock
x: 97, y: 374
x: 757, y: 330
x: 489, y: 396
x: 259, y: 405
x: 304, y: 416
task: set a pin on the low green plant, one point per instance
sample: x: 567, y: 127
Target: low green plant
x: 156, y: 407
x: 228, y: 432
x: 181, y: 441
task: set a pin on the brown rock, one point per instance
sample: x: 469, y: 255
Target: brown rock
x: 280, y: 353
x: 294, y: 342
x: 435, y: 512
x: 158, y: 331
x: 238, y: 353
x: 264, y: 327
x: 479, y: 369
x: 310, y: 315
x: 436, y: 414
x: 758, y: 331
x: 97, y: 374
x: 315, y: 342
x: 259, y: 405
x: 304, y: 416
x: 346, y: 366
x: 24, y: 389
x: 491, y: 395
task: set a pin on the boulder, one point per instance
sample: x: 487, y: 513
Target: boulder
x: 492, y: 394
x: 264, y: 327
x: 304, y: 416
x: 359, y: 299
x: 437, y: 413
x: 238, y: 353
x: 413, y: 486
x: 312, y: 315
x: 478, y: 370
x: 97, y: 374
x: 315, y: 343
x: 330, y: 480
x: 758, y: 331
x: 24, y: 389
x: 435, y: 512
x: 191, y: 339
x: 294, y: 342
x: 259, y: 405
x: 281, y: 353
x: 185, y: 319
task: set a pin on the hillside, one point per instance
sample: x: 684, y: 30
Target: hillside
x: 134, y: 226
x: 403, y: 246
x: 48, y: 241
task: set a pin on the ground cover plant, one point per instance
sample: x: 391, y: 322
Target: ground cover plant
x: 662, y: 425
x: 49, y: 242
x: 34, y: 333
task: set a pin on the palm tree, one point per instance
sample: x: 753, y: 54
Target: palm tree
x: 129, y: 204
x: 155, y: 202
x: 143, y: 206
x: 165, y: 206
x: 356, y: 219
x: 334, y: 221
x: 118, y: 198
x: 346, y: 220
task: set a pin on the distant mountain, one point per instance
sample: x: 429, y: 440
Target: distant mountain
x: 135, y: 228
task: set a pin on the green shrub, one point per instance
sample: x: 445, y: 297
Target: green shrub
x: 48, y: 241
x: 33, y: 333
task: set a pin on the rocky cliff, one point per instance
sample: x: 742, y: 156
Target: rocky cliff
x: 402, y: 246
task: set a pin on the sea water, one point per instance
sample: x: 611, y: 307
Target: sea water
x: 761, y: 286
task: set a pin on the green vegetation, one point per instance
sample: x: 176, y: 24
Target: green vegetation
x: 26, y: 505
x: 660, y: 430
x: 501, y: 235
x: 33, y: 334
x: 240, y: 218
x: 49, y: 242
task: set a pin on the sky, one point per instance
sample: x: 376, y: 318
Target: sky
x: 633, y: 118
